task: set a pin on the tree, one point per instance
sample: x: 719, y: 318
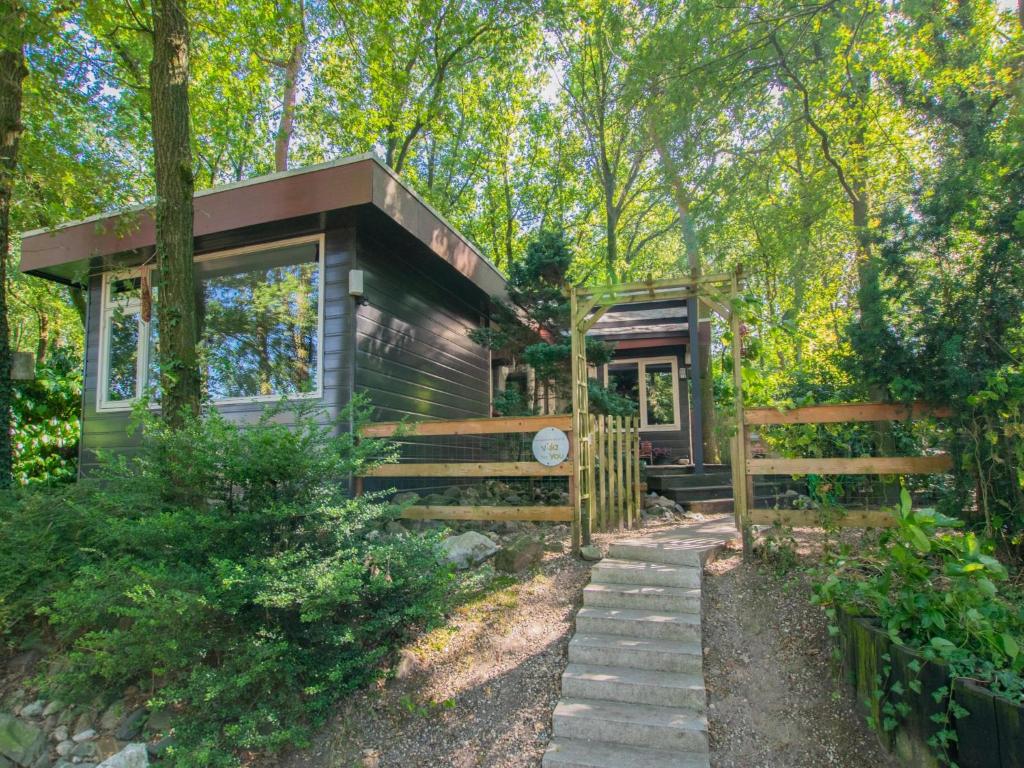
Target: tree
x: 172, y: 155
x: 13, y: 23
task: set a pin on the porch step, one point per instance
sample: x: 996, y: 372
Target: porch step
x: 571, y: 753
x: 611, y: 571
x: 639, y: 653
x: 641, y: 597
x: 664, y: 551
x: 711, y: 506
x: 684, y: 627
x: 638, y: 725
x: 634, y: 686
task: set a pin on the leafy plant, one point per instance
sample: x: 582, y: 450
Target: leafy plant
x: 225, y: 571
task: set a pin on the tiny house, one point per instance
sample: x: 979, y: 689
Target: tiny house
x: 311, y: 285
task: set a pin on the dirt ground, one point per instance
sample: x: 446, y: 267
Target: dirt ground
x: 479, y: 692
x: 774, y: 700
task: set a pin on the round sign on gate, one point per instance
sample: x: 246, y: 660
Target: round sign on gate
x: 550, y: 446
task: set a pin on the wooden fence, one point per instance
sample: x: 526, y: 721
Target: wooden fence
x: 745, y: 467
x: 616, y: 482
x: 464, y: 469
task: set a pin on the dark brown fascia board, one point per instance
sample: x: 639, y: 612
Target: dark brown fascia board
x: 58, y: 253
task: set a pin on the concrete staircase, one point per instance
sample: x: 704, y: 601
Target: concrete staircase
x: 633, y: 691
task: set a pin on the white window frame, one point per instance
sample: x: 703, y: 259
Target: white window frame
x: 641, y: 364
x: 129, y: 306
x: 109, y: 306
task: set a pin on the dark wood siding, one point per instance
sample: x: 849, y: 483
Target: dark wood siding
x: 414, y: 357
x: 110, y: 430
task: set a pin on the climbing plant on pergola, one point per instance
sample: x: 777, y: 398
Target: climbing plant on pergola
x: 588, y: 304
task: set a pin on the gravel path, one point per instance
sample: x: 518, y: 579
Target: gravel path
x: 774, y: 700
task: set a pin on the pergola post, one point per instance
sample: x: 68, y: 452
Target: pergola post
x: 696, y: 404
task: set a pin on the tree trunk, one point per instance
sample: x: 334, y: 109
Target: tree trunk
x: 611, y: 236
x: 292, y: 69
x: 43, y: 343
x: 12, y: 73
x: 168, y: 72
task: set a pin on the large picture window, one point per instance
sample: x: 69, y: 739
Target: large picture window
x: 260, y: 314
x: 653, y: 384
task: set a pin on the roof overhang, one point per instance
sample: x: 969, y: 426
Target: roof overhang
x: 66, y: 252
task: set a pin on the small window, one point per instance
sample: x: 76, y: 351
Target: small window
x: 128, y: 361
x: 653, y: 385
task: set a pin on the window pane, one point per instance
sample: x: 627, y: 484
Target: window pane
x: 122, y: 344
x: 153, y: 372
x: 624, y: 379
x: 260, y: 313
x: 660, y: 393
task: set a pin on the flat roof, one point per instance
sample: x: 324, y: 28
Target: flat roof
x: 64, y: 252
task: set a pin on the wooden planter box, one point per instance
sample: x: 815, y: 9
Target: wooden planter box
x: 991, y: 735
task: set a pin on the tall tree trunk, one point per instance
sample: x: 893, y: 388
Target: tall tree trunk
x: 168, y: 72
x: 708, y: 437
x: 292, y: 68
x: 12, y: 73
x: 611, y: 223
x: 43, y: 342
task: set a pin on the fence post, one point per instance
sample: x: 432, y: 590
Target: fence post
x: 740, y: 500
x: 637, y: 495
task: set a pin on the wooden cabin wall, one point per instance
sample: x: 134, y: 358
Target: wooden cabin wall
x: 109, y: 430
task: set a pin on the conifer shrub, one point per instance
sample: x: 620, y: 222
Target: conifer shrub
x: 226, y: 571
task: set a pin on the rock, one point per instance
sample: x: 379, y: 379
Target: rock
x: 65, y: 747
x: 159, y: 748
x: 435, y: 500
x: 20, y: 742
x: 42, y: 762
x: 112, y: 716
x: 131, y: 726
x: 85, y: 735
x: 409, y: 497
x: 469, y: 548
x: 35, y: 709
x: 590, y: 553
x: 453, y: 493
x: 83, y: 723
x: 132, y: 756
x: 60, y: 733
x: 158, y: 721
x: 521, y: 554
x: 53, y: 708
x: 493, y: 536
x: 514, y: 500
x: 554, y: 546
x: 395, y: 529
x: 83, y: 750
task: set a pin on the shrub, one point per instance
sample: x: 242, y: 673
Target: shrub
x: 229, y: 575
x: 937, y: 590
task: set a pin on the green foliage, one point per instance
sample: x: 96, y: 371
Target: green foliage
x: 225, y: 571
x: 45, y: 421
x: 605, y: 402
x: 937, y: 590
x: 535, y: 327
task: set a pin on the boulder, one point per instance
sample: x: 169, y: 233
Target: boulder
x: 409, y: 497
x: 131, y: 726
x: 132, y: 756
x: 20, y: 742
x: 35, y: 709
x: 436, y: 500
x: 590, y: 553
x: 466, y: 549
x: 519, y: 555
x: 87, y: 735
x: 453, y: 493
x: 112, y: 716
x: 554, y: 545
x: 395, y: 528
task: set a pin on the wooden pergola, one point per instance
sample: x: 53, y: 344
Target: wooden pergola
x: 588, y: 305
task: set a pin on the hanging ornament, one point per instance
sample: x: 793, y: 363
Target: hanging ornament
x: 147, y: 301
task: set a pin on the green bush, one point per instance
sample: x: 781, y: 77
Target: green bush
x: 226, y: 572
x: 937, y: 590
x: 44, y: 421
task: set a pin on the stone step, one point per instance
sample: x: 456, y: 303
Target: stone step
x: 642, y: 598
x: 618, y: 651
x: 610, y: 571
x: 640, y: 725
x: 647, y: 625
x: 571, y: 753
x: 665, y: 551
x: 634, y: 686
x: 710, y: 506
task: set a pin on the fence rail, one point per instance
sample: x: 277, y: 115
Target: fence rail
x: 478, y: 469
x: 745, y: 468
